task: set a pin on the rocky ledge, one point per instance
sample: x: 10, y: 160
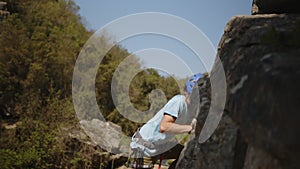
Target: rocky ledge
x: 260, y: 126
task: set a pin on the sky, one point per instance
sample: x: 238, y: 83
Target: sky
x: 209, y: 16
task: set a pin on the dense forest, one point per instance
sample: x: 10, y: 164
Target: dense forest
x: 39, y: 44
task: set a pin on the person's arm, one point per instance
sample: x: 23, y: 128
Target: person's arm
x: 168, y: 125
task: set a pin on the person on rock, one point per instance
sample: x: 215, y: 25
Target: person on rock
x: 156, y: 138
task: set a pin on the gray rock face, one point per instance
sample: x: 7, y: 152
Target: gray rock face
x: 275, y: 6
x: 259, y: 159
x: 219, y: 151
x: 88, y: 145
x: 216, y: 153
x: 260, y: 127
x: 260, y: 55
x: 105, y: 134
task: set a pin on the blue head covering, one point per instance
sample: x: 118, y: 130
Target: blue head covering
x: 190, y: 84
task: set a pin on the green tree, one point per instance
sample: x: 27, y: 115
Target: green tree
x: 39, y: 44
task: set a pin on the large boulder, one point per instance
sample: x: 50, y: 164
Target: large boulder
x: 260, y: 126
x: 218, y: 152
x: 275, y: 6
x: 107, y: 135
x: 260, y: 55
x: 101, y: 142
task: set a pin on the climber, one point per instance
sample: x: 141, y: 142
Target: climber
x: 155, y: 139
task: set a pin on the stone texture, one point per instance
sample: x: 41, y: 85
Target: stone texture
x: 275, y: 6
x: 260, y: 126
x: 88, y: 143
x: 257, y: 158
x: 216, y: 153
x: 105, y: 134
x: 260, y: 55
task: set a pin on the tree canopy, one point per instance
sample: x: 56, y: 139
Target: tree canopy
x: 39, y: 44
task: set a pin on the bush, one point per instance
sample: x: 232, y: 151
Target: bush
x: 9, y: 159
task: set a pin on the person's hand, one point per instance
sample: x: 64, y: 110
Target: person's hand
x: 193, y: 124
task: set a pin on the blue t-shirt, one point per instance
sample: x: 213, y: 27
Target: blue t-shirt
x: 175, y: 107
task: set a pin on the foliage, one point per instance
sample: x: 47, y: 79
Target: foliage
x: 39, y: 44
x: 9, y: 159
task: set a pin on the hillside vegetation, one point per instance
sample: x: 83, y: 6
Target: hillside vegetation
x: 39, y: 44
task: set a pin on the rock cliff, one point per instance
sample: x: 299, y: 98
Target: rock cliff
x: 260, y: 126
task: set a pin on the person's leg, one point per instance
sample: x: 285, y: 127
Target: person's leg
x: 174, y: 152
